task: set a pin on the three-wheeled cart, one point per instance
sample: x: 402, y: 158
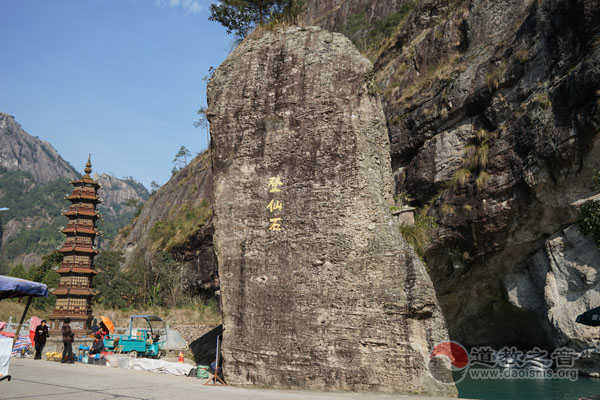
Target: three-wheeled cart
x: 145, y: 337
x: 11, y: 288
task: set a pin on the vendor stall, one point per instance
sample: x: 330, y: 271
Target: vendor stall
x: 12, y: 288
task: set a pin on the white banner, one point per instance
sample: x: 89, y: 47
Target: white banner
x: 5, y: 349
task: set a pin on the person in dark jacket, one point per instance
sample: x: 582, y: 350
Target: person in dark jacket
x: 41, y: 333
x: 95, y: 326
x: 98, y: 345
x: 68, y: 335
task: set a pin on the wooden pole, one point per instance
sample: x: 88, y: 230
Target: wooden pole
x: 21, y: 322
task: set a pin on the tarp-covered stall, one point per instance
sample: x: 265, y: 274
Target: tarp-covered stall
x: 11, y: 288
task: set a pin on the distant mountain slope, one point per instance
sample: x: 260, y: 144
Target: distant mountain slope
x: 122, y: 199
x: 22, y: 152
x: 34, y: 180
x: 177, y: 219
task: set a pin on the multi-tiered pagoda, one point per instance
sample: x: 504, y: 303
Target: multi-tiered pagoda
x: 74, y: 292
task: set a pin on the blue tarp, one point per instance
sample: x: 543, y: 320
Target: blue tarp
x: 15, y: 287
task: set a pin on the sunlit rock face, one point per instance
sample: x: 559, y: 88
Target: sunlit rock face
x: 493, y: 116
x: 319, y: 289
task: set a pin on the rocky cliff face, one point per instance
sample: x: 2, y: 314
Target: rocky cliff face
x: 116, y: 192
x: 178, y: 219
x: 319, y: 289
x: 34, y: 179
x: 492, y: 110
x: 23, y: 152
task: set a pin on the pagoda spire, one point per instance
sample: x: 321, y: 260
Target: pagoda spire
x: 88, y: 166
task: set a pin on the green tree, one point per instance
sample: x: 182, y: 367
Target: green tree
x: 156, y: 283
x: 181, y: 157
x: 167, y: 280
x: 154, y: 186
x: 589, y: 217
x: 589, y: 214
x: 113, y: 287
x: 49, y: 261
x: 41, y: 273
x: 202, y: 122
x: 241, y: 17
x: 45, y: 273
x: 18, y: 271
x: 139, y: 276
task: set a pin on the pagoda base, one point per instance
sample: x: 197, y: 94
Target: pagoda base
x: 81, y: 324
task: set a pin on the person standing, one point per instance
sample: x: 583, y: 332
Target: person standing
x: 41, y: 333
x: 67, y: 334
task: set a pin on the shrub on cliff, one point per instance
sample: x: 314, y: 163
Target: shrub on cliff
x: 241, y: 17
x: 369, y: 35
x: 419, y: 234
x: 175, y: 231
x: 589, y: 216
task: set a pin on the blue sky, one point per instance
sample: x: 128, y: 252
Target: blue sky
x: 121, y: 79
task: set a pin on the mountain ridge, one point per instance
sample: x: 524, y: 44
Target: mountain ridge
x: 23, y: 152
x: 34, y: 179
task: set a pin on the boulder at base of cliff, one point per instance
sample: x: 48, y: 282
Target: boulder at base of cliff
x: 558, y: 283
x: 319, y: 289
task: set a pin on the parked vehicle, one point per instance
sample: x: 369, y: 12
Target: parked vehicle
x: 145, y: 337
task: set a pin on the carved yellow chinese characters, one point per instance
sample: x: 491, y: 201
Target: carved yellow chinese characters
x: 275, y: 225
x: 275, y: 205
x: 274, y: 183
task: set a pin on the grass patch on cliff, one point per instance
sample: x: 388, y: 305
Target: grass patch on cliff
x: 428, y: 81
x: 495, y: 76
x: 368, y: 36
x: 419, y: 234
x: 475, y: 161
x: 542, y: 100
x: 174, y: 232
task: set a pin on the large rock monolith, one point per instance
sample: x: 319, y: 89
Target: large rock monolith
x: 319, y: 289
